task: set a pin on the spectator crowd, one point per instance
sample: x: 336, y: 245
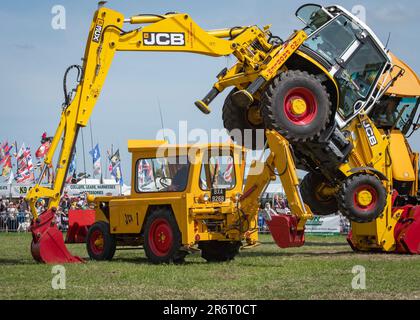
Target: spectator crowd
x: 15, y: 215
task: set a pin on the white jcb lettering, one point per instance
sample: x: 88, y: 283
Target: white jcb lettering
x: 177, y: 39
x: 164, y: 39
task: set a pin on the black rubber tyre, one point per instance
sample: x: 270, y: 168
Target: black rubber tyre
x: 219, y: 251
x: 349, y: 205
x: 279, y: 97
x: 236, y: 121
x: 321, y: 206
x: 162, y: 238
x: 105, y: 249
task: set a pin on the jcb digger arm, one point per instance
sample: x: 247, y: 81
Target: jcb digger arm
x: 279, y: 163
x: 257, y: 59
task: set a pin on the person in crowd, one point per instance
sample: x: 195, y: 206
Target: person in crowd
x: 65, y: 203
x: 268, y: 212
x: 40, y: 206
x: 12, y: 217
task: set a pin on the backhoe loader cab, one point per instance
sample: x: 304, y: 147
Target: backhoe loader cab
x: 351, y: 53
x: 181, y: 196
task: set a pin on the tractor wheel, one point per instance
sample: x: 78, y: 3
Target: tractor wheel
x: 219, y: 251
x: 320, y: 205
x: 100, y: 243
x: 244, y: 125
x: 297, y: 105
x: 362, y: 198
x: 162, y: 238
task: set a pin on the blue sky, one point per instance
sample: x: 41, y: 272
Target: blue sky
x: 33, y: 58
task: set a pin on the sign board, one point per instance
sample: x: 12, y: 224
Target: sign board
x: 325, y: 225
x: 74, y: 190
x: 4, y: 190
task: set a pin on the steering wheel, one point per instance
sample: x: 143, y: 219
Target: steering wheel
x: 163, y: 182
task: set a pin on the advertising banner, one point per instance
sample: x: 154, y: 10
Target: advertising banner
x: 325, y: 225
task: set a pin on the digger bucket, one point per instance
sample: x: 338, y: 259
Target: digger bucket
x: 407, y: 230
x: 284, y: 231
x: 47, y: 241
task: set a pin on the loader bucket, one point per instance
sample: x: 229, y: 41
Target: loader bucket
x: 407, y: 231
x: 284, y: 231
x: 47, y: 241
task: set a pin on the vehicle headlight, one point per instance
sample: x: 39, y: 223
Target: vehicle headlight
x: 206, y: 197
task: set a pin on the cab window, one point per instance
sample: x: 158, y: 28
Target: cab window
x: 359, y: 77
x: 333, y: 40
x: 217, y: 171
x: 395, y: 112
x: 162, y: 174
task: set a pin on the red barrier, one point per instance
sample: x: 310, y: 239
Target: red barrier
x: 79, y: 224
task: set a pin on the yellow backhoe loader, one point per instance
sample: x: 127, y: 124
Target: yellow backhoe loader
x: 315, y: 90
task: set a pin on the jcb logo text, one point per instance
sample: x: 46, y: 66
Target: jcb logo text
x: 164, y: 39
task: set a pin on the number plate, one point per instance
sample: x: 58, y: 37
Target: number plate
x: 218, y: 195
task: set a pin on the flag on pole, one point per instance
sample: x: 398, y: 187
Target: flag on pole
x: 229, y: 170
x: 11, y: 177
x: 25, y: 169
x: 96, y: 157
x: 7, y: 166
x: 43, y: 150
x: 145, y: 172
x: 5, y: 152
x: 72, y: 169
x: 116, y: 167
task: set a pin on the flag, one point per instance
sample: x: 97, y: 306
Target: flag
x: 7, y: 166
x: 145, y: 172
x: 11, y: 177
x: 5, y: 152
x: 25, y: 176
x: 72, y: 169
x: 229, y: 170
x: 116, y: 167
x: 25, y: 165
x: 43, y: 150
x: 96, y: 157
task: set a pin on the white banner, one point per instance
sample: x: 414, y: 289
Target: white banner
x: 4, y: 190
x: 325, y: 225
x: 75, y: 190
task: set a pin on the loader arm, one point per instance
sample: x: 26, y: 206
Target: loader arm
x: 279, y: 163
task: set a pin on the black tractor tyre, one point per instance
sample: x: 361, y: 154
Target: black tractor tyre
x: 236, y: 121
x: 348, y: 202
x: 219, y: 251
x: 162, y: 238
x: 100, y: 243
x: 321, y: 206
x: 280, y: 96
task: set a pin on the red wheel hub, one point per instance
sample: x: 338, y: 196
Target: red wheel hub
x: 96, y: 242
x: 160, y: 237
x: 365, y: 198
x: 300, y: 106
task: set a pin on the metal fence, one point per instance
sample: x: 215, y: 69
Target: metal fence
x: 14, y: 222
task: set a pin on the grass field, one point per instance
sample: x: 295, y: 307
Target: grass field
x: 320, y: 270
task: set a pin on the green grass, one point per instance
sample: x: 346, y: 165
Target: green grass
x: 320, y: 270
